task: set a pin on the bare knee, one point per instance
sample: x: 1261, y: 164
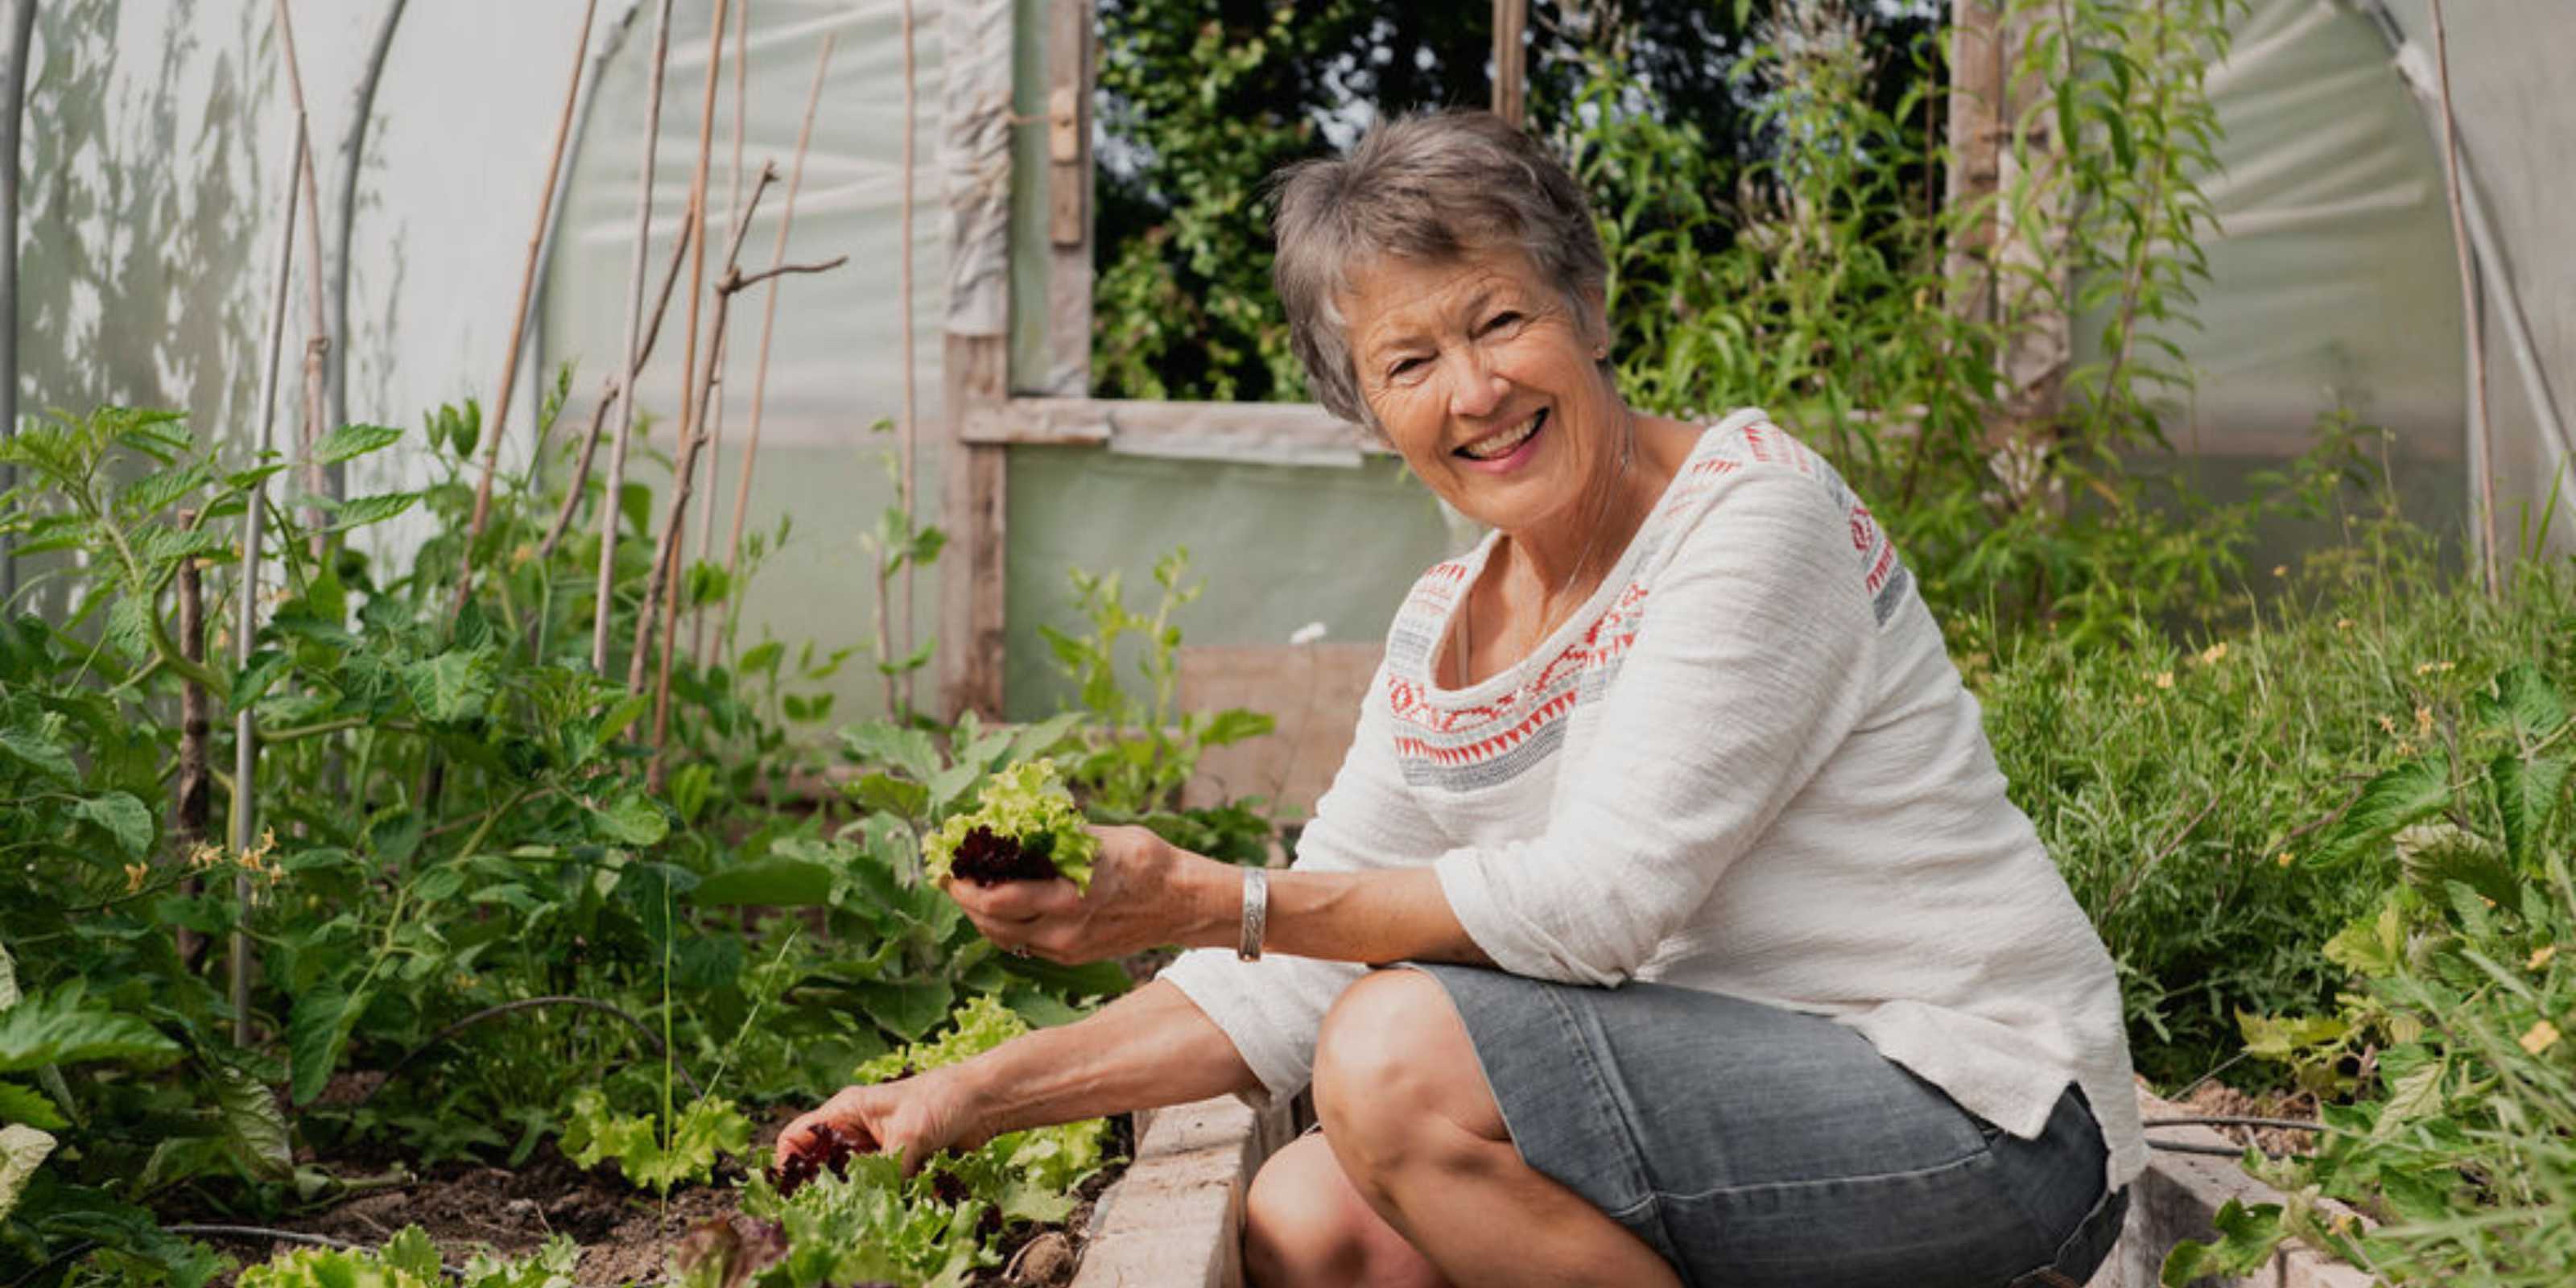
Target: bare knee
x: 1391, y: 1052
x: 1305, y: 1225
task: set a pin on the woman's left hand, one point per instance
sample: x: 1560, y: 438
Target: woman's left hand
x: 1144, y: 892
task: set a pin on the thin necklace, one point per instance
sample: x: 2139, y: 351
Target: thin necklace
x: 1548, y: 620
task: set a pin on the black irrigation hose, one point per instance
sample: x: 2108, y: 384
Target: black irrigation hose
x: 288, y: 1236
x: 2214, y: 1151
x: 527, y: 1003
x: 2234, y: 1120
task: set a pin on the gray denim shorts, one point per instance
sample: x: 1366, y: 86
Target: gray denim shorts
x: 1753, y: 1146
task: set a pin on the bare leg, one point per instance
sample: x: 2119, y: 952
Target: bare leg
x: 1408, y: 1116
x: 1304, y: 1226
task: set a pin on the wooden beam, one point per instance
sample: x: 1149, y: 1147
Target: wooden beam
x: 977, y: 118
x: 1205, y: 430
x: 1511, y: 95
x: 974, y: 503
x: 1976, y: 145
x: 1069, y: 197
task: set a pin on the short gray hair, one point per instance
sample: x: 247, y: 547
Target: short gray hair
x: 1438, y: 186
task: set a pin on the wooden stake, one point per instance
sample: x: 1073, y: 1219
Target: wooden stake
x: 724, y: 337
x: 769, y: 319
x: 689, y: 394
x: 317, y: 339
x: 662, y: 586
x: 191, y: 795
x: 519, y: 323
x: 246, y: 619
x: 906, y: 493
x: 2473, y: 313
x: 625, y: 414
x: 611, y: 391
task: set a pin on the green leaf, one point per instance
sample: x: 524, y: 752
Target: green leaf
x: 254, y: 1127
x: 2373, y: 947
x: 451, y: 686
x: 2526, y: 795
x: 2388, y: 802
x: 41, y: 754
x: 762, y: 658
x: 2414, y: 1081
x: 1234, y: 725
x: 633, y: 820
x: 769, y: 882
x: 2246, y: 1239
x: 885, y: 793
x: 57, y: 1028
x: 2522, y: 703
x: 121, y: 816
x: 351, y: 441
x: 879, y: 742
x: 411, y: 1252
x: 315, y: 1033
x: 257, y: 676
x: 907, y: 1009
x: 372, y: 509
x: 30, y: 1106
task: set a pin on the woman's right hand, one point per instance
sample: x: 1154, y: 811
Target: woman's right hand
x: 912, y: 1118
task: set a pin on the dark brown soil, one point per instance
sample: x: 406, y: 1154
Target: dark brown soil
x: 625, y: 1234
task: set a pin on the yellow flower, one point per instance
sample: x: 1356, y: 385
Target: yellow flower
x: 2388, y: 726
x: 2429, y: 668
x: 2540, y: 956
x: 2285, y: 858
x: 2343, y: 623
x: 2138, y: 701
x: 2164, y: 679
x: 2543, y: 1035
x: 2210, y: 656
x: 134, y: 874
x: 206, y: 855
x: 2423, y: 722
x: 2280, y: 570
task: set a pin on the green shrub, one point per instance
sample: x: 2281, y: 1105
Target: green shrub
x: 2188, y: 792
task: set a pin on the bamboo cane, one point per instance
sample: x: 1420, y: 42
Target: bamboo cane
x: 190, y: 797
x: 625, y: 413
x: 689, y: 394
x: 351, y: 150
x: 611, y: 390
x: 246, y: 619
x: 317, y: 339
x: 904, y: 491
x: 769, y: 319
x: 519, y: 324
x: 13, y: 96
x: 2481, y: 433
x: 732, y: 284
x: 724, y: 338
x: 662, y: 588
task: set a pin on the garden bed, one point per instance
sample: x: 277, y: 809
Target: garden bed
x: 1175, y: 1220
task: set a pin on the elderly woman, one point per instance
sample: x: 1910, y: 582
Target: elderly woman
x: 1725, y: 959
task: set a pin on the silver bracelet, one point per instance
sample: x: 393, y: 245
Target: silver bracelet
x: 1256, y: 913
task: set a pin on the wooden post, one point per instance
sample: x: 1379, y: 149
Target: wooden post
x: 976, y: 372
x: 1511, y: 18
x: 1069, y: 180
x: 1976, y: 143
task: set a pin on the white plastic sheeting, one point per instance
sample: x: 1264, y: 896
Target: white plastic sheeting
x: 2334, y: 279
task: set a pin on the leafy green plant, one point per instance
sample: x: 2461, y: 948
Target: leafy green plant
x: 1147, y: 747
x: 2458, y: 1139
x: 704, y: 1132
x: 1027, y: 807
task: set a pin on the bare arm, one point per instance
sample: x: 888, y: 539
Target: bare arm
x: 1145, y: 892
x: 1152, y: 1047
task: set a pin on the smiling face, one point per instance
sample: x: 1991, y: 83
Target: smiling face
x: 1482, y: 375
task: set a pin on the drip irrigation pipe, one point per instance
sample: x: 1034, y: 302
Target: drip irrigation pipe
x: 530, y: 1003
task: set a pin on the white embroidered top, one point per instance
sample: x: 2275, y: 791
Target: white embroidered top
x: 1746, y: 765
